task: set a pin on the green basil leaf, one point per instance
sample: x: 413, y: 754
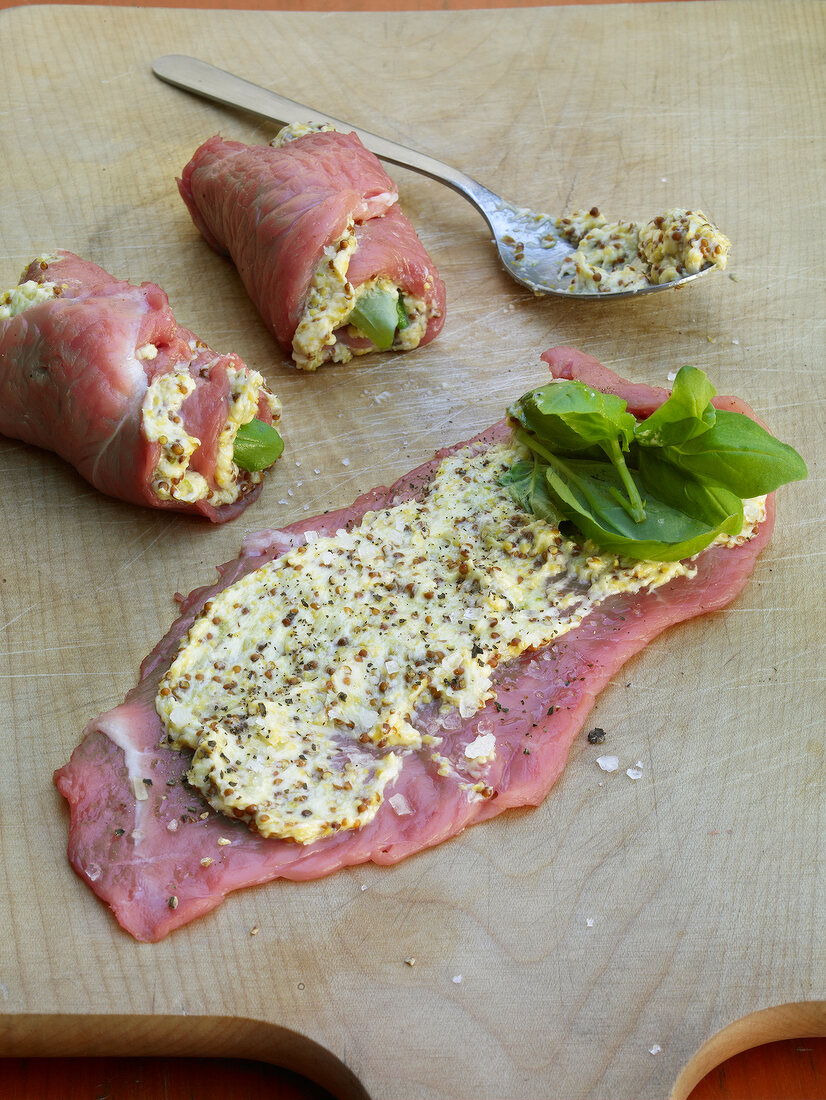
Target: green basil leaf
x: 586, y: 493
x: 526, y: 483
x: 687, y: 413
x: 570, y: 417
x: 712, y: 504
x: 739, y: 455
x: 402, y: 320
x: 376, y: 316
x: 257, y: 446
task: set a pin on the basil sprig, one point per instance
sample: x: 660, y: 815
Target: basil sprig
x: 659, y: 489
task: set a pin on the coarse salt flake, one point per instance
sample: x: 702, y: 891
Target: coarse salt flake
x: 589, y: 922
x: 179, y: 716
x: 655, y: 1049
x: 400, y: 804
x: 481, y: 747
x: 608, y: 763
x: 457, y: 979
x: 635, y: 772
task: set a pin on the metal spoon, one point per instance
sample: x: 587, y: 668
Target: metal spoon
x: 529, y: 243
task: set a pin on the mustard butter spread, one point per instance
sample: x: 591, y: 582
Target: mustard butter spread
x: 299, y: 129
x: 30, y: 293
x: 302, y: 687
x: 626, y: 256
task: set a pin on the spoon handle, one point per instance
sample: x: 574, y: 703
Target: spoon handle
x: 222, y: 87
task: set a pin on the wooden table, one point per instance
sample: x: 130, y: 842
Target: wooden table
x: 708, y: 897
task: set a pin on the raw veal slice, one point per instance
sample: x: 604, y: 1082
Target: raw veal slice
x: 99, y: 371
x: 155, y: 851
x: 310, y: 225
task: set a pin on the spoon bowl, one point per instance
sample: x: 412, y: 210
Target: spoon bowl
x: 529, y: 244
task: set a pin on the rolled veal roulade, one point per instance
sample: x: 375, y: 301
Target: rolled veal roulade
x: 99, y: 371
x: 314, y: 228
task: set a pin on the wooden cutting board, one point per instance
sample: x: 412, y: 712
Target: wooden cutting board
x: 585, y: 949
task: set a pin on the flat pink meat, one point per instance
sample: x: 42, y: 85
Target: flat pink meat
x: 136, y: 834
x: 70, y: 381
x: 275, y: 210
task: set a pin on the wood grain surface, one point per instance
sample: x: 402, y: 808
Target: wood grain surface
x: 702, y: 879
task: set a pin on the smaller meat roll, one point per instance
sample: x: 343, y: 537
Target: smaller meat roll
x: 313, y: 225
x: 99, y: 371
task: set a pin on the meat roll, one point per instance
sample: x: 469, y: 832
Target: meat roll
x: 313, y: 226
x: 99, y: 371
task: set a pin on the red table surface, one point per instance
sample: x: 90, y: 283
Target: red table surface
x: 334, y: 5
x: 790, y: 1069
